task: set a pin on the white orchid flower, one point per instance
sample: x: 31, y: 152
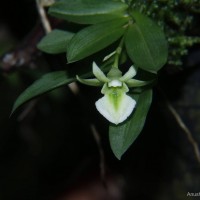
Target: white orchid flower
x: 116, y: 106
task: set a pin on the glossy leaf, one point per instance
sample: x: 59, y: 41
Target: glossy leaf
x: 123, y: 135
x: 55, y: 42
x: 88, y: 11
x: 94, y: 38
x: 146, y: 44
x: 45, y: 84
x: 50, y: 82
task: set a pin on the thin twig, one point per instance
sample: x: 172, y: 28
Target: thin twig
x: 183, y: 127
x: 43, y: 17
x: 46, y: 3
x: 101, y: 152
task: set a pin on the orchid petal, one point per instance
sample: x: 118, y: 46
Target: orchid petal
x: 99, y: 74
x: 136, y: 83
x: 115, y: 106
x: 129, y: 74
x: 91, y: 82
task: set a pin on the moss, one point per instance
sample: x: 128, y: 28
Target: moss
x: 179, y: 20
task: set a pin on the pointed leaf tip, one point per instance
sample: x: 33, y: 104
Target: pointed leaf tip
x: 45, y: 84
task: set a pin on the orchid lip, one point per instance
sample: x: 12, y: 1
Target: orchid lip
x: 116, y: 108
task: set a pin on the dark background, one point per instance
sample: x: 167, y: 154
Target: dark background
x: 51, y: 153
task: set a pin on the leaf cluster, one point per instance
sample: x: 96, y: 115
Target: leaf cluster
x: 107, y: 22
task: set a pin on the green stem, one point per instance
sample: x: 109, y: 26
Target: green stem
x: 118, y: 53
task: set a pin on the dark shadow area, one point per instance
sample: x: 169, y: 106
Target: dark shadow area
x: 51, y: 153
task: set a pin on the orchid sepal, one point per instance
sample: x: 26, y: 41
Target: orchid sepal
x: 129, y: 74
x: 98, y: 73
x: 90, y: 82
x: 136, y: 83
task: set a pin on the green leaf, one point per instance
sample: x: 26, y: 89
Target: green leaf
x: 88, y: 11
x: 146, y: 44
x: 94, y: 38
x: 123, y: 135
x: 50, y: 82
x: 45, y: 84
x: 55, y: 42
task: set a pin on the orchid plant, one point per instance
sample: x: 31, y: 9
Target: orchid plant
x: 143, y: 44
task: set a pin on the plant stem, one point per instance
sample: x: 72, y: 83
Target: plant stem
x: 43, y: 17
x: 118, y: 53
